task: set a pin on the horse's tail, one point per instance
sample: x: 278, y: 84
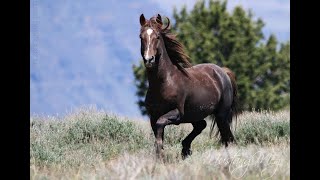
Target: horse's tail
x: 235, y: 92
x: 225, y: 123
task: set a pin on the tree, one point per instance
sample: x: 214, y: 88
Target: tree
x: 211, y: 34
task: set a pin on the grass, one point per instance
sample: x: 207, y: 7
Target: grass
x: 263, y: 128
x: 91, y: 144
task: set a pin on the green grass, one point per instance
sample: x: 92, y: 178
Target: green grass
x: 263, y: 128
x: 91, y: 144
x: 59, y: 141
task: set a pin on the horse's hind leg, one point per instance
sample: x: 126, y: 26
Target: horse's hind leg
x: 223, y: 120
x: 186, y: 143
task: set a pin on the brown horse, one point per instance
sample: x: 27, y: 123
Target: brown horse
x: 181, y: 93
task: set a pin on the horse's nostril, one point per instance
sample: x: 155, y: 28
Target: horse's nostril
x: 149, y: 59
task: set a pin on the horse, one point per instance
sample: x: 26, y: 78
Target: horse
x: 180, y: 92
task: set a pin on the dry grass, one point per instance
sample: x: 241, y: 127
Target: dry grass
x: 88, y: 144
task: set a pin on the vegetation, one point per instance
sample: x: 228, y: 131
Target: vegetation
x: 93, y: 144
x: 211, y: 34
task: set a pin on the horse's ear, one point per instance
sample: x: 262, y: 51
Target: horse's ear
x: 159, y: 19
x: 142, y: 20
x: 168, y: 24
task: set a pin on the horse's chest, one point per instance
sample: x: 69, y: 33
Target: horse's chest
x: 161, y: 101
x: 158, y: 108
x: 168, y: 96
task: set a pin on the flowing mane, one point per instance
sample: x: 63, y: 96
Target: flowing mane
x: 175, y: 49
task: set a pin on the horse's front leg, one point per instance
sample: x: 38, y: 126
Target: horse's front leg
x: 158, y: 128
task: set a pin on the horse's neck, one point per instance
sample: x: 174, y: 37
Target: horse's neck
x: 163, y: 71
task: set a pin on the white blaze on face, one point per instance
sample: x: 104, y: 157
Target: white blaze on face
x: 149, y: 32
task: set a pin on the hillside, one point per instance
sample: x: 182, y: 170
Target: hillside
x: 92, y: 144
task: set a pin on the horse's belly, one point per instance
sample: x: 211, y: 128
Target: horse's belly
x: 203, y: 99
x: 201, y: 107
x: 199, y: 110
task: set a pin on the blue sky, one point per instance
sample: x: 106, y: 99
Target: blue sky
x: 82, y: 51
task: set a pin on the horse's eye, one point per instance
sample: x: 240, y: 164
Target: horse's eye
x: 158, y: 37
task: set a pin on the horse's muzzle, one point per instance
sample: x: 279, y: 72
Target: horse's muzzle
x: 149, y: 62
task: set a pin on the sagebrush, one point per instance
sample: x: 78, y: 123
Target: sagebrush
x: 93, y: 144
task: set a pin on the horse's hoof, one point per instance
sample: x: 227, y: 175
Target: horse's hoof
x: 185, y: 153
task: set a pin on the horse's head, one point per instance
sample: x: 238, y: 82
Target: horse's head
x: 150, y: 39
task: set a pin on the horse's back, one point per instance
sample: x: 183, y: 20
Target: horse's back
x: 208, y: 73
x: 214, y: 71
